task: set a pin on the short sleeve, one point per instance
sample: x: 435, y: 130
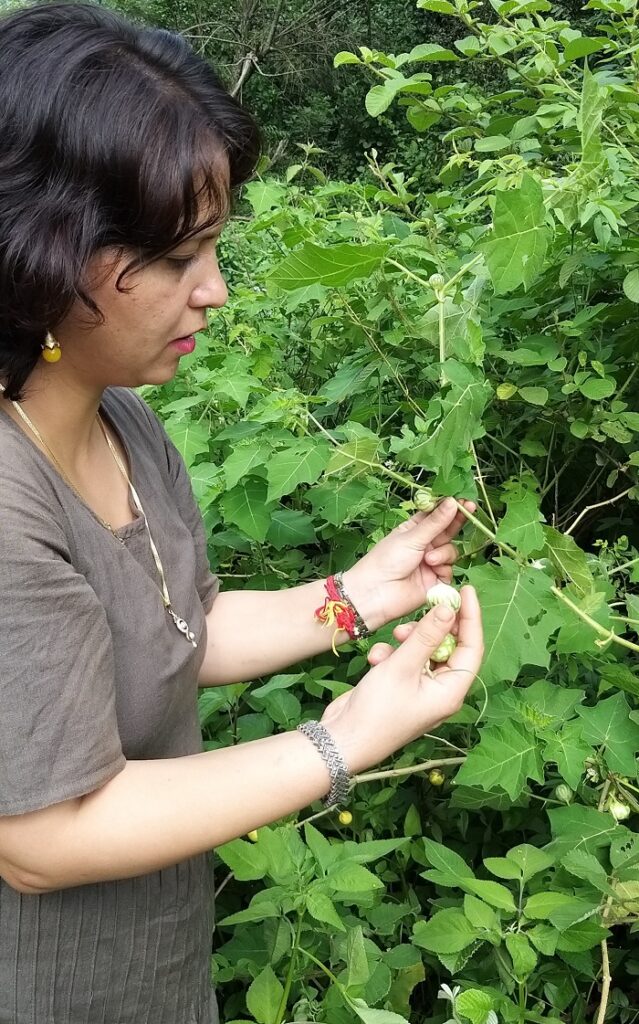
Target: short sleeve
x: 207, y: 582
x: 59, y: 736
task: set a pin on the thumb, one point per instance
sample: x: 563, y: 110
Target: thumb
x: 429, y: 632
x: 424, y: 531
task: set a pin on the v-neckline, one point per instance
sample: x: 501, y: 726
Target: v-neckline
x: 121, y: 532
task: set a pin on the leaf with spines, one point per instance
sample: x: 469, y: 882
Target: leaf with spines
x: 303, y: 462
x: 608, y: 725
x: 332, y: 267
x: 516, y: 247
x: 568, y: 559
x: 505, y: 757
x: 521, y: 525
x: 245, y: 506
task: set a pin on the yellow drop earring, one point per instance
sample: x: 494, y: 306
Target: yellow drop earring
x: 51, y: 351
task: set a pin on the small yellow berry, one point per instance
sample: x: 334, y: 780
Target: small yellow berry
x: 252, y: 835
x: 345, y: 817
x: 436, y: 778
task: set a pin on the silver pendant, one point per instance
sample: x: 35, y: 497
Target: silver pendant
x: 183, y: 627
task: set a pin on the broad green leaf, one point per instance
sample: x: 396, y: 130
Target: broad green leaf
x: 511, y: 599
x: 521, y: 525
x: 583, y: 46
x: 608, y: 725
x: 264, y: 996
x: 246, y: 860
x: 576, y: 635
x: 517, y: 245
x: 245, y: 506
x: 431, y: 51
x: 380, y: 97
x: 596, y: 388
x: 505, y: 757
x: 475, y: 1005
x: 492, y: 892
x: 631, y: 285
x: 529, y: 859
x: 345, y: 57
x: 492, y: 143
x: 303, y: 462
x: 591, y: 111
x: 582, y: 936
x: 544, y: 937
x: 522, y: 954
x: 535, y: 396
x: 290, y: 529
x: 371, y: 849
x: 480, y: 914
x: 332, y: 267
x: 503, y: 868
x: 460, y: 423
x: 349, y: 379
x: 568, y: 750
x: 447, y: 931
x: 236, y: 386
x: 353, y: 455
x: 620, y: 676
x: 446, y: 860
x: 586, y: 866
x: 542, y: 905
x: 256, y: 912
x: 264, y: 195
x: 357, y: 962
x: 353, y: 878
x: 439, y: 6
x: 324, y: 852
x: 568, y: 559
x: 189, y: 437
x: 581, y: 828
x: 371, y: 1016
x: 337, y: 500
x: 243, y: 459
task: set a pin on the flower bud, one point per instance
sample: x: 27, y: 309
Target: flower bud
x: 564, y: 793
x: 445, y: 649
x: 444, y: 594
x: 423, y: 499
x: 436, y: 777
x: 436, y: 281
x: 619, y: 810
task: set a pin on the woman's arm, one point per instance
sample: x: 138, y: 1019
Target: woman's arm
x: 253, y: 633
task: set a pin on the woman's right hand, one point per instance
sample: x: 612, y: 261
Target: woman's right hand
x: 398, y: 700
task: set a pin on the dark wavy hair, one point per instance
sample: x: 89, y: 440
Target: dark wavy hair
x: 111, y: 135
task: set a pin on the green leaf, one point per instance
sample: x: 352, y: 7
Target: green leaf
x: 189, y: 437
x: 503, y: 868
x: 569, y: 751
x: 586, y: 866
x: 353, y: 878
x: 542, y: 905
x: 580, y: 937
x: 522, y: 954
x: 608, y: 725
x: 591, y: 111
x: 431, y: 51
x: 243, y: 459
x: 357, y: 962
x: 344, y: 57
x: 475, y: 1005
x: 256, y: 912
x: 380, y: 97
x: 530, y: 860
x: 620, y: 676
x: 596, y: 388
x: 583, y: 46
x: 264, y: 996
x: 332, y: 267
x: 518, y: 617
x: 631, y: 285
x: 517, y: 244
x: 577, y: 827
x: 371, y: 1016
x: 245, y: 506
x: 568, y: 559
x: 521, y: 525
x: 535, y: 396
x: 246, y: 860
x: 264, y: 195
x: 492, y: 143
x: 462, y: 407
x: 480, y: 914
x: 337, y: 500
x: 447, y: 931
x: 446, y: 860
x: 303, y: 462
x: 290, y: 529
x: 506, y: 756
x: 439, y: 6
x: 491, y: 892
x: 325, y: 853
x: 351, y: 455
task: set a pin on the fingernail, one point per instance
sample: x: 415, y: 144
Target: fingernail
x: 432, y: 556
x: 448, y: 504
x: 443, y: 613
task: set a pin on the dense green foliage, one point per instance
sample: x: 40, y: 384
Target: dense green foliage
x: 340, y: 375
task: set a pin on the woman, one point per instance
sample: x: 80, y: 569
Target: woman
x: 120, y: 150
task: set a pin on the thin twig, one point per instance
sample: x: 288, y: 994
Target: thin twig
x: 600, y: 504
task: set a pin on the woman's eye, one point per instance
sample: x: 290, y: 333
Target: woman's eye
x: 181, y: 262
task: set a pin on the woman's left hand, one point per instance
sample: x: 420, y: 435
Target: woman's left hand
x: 391, y: 580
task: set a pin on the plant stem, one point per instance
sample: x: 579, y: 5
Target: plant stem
x: 289, y: 974
x: 624, y: 565
x: 395, y: 773
x: 608, y: 634
x: 600, y: 504
x: 606, y: 978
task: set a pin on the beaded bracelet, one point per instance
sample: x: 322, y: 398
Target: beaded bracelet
x: 339, y: 609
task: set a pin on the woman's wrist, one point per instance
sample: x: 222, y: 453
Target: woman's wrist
x: 365, y: 597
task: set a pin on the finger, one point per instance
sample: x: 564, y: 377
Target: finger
x: 465, y: 661
x: 447, y: 554
x: 403, y: 631
x: 423, y: 531
x: 455, y: 526
x: 444, y: 573
x: 414, y: 653
x: 379, y: 652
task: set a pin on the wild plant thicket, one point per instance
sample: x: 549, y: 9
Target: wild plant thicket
x: 476, y: 334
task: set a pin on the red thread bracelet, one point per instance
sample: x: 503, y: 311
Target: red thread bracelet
x: 336, y: 610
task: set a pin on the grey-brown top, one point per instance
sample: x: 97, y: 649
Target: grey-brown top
x: 94, y: 673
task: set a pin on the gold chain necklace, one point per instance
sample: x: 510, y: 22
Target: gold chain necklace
x: 181, y: 624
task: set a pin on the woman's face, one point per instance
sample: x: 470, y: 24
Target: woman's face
x: 163, y: 301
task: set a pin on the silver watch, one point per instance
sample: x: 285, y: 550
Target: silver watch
x: 340, y: 775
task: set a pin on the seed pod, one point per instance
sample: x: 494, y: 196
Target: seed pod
x: 252, y: 835
x: 619, y: 809
x: 436, y: 778
x: 345, y: 817
x: 423, y: 499
x: 564, y: 793
x: 436, y: 281
x: 442, y: 593
x: 445, y: 649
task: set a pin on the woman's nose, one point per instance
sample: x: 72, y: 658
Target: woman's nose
x: 211, y: 289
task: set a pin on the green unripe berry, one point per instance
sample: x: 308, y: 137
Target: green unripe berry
x: 252, y: 835
x: 444, y: 594
x: 564, y: 793
x: 619, y: 809
x: 423, y: 499
x: 345, y: 817
x: 436, y: 281
x: 436, y: 778
x: 445, y: 649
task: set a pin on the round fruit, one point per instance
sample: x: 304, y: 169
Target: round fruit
x: 345, y: 817
x: 436, y: 281
x: 436, y: 778
x: 619, y: 810
x: 445, y: 649
x: 252, y: 835
x: 423, y: 499
x: 564, y: 793
x: 444, y: 594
